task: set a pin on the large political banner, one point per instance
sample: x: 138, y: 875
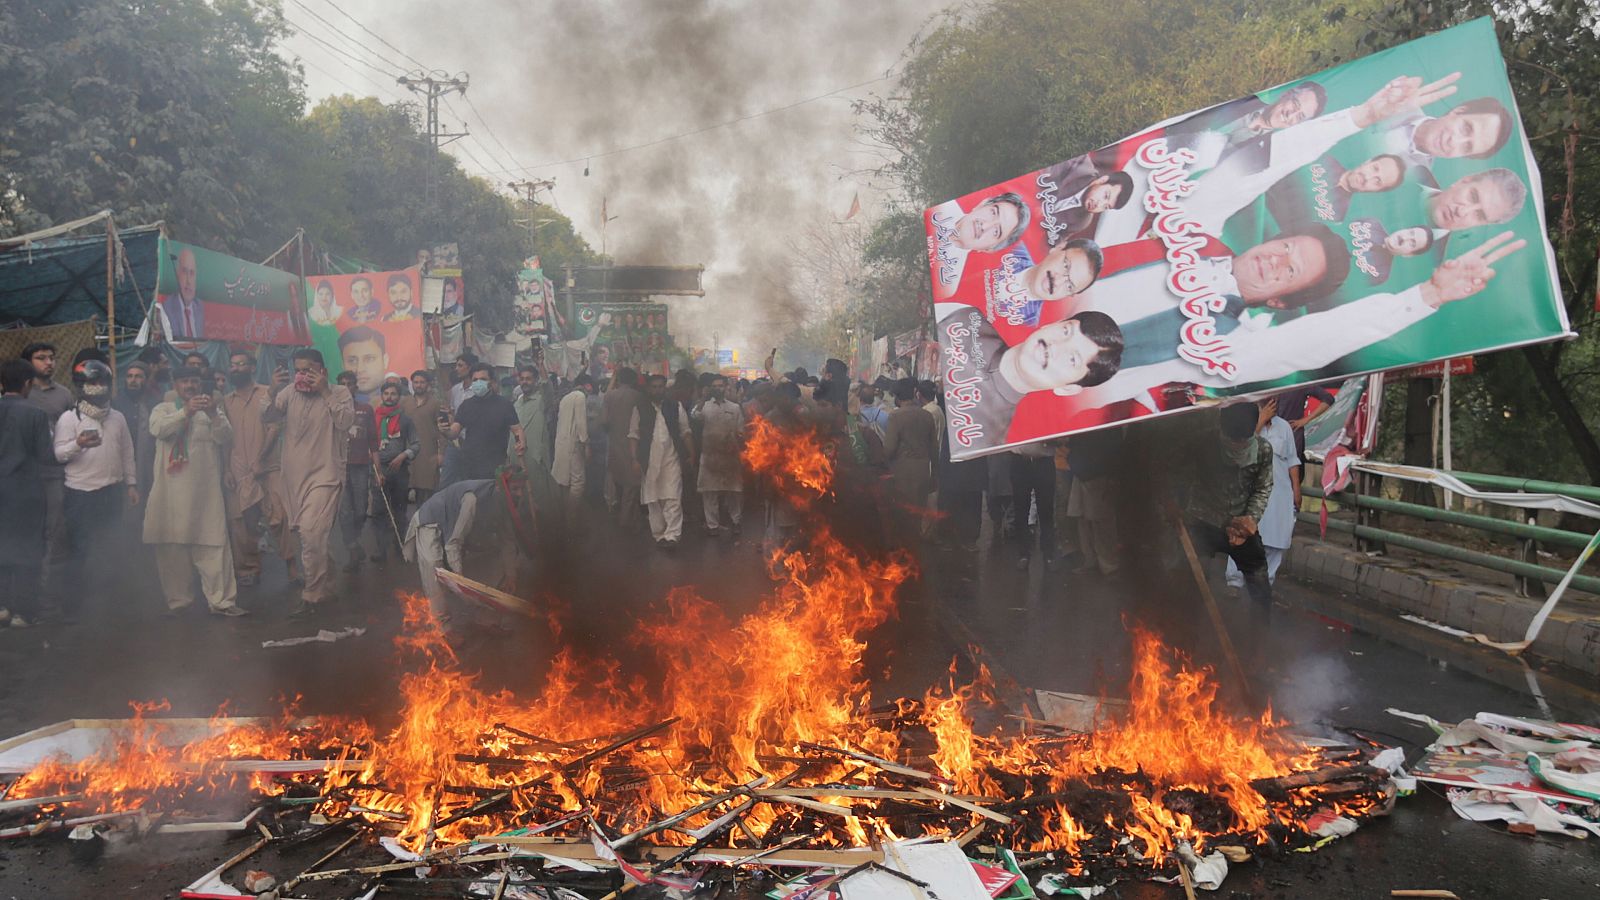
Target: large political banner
x: 205, y: 295
x: 621, y: 334
x: 1380, y: 214
x: 369, y: 324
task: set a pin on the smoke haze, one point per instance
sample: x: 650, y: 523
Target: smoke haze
x: 559, y: 81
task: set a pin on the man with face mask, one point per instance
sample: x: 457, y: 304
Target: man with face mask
x: 186, y: 518
x: 484, y: 424
x: 721, y: 480
x: 316, y: 421
x: 244, y: 405
x: 94, y: 444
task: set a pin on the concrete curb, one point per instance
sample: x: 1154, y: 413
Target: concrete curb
x: 1571, y: 636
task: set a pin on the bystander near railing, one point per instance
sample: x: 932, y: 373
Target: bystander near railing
x: 1366, y: 499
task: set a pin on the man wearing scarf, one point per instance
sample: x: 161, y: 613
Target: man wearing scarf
x: 397, y: 447
x: 94, y: 444
x: 186, y: 518
x: 316, y: 436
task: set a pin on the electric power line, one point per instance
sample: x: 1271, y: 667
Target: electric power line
x: 379, y: 37
x: 490, y: 131
x: 691, y: 133
x: 353, y: 70
x: 487, y: 150
x: 339, y: 51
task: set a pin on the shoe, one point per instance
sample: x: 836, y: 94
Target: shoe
x: 20, y: 622
x: 670, y: 546
x: 713, y: 532
x: 232, y: 612
x: 1022, y: 563
x: 736, y: 530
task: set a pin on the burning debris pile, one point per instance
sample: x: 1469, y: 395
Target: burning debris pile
x: 755, y: 754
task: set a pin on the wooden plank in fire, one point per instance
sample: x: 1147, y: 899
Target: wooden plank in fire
x: 583, y: 850
x: 883, y: 764
x: 965, y: 804
x: 871, y: 793
x: 638, y: 734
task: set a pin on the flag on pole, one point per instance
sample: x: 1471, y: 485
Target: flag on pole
x: 855, y: 207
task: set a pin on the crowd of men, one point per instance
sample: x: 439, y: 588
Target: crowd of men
x: 218, y: 468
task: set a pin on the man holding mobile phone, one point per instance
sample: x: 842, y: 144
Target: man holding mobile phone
x: 94, y: 444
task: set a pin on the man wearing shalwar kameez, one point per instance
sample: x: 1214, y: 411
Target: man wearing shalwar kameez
x: 316, y: 434
x: 186, y: 519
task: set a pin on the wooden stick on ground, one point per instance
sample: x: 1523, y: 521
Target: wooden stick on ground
x: 1215, y: 613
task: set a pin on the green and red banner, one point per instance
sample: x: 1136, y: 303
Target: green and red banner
x: 1381, y: 214
x: 203, y: 295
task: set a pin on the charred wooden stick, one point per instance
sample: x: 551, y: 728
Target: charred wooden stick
x: 695, y: 810
x: 494, y: 762
x: 30, y: 802
x: 953, y: 800
x: 1324, y: 775
x: 634, y: 736
x: 883, y: 764
x: 1199, y: 572
x: 1439, y: 895
x: 295, y: 881
x: 423, y: 863
x: 476, y: 809
x: 536, y: 739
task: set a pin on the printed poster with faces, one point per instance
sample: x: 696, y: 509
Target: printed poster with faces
x: 369, y: 324
x: 1381, y: 214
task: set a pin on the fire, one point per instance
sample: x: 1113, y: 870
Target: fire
x: 739, y: 710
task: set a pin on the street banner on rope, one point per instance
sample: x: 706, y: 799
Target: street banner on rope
x: 621, y: 334
x: 369, y: 324
x: 1381, y: 214
x: 203, y: 295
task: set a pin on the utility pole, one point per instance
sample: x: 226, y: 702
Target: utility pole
x: 432, y: 86
x: 527, y: 191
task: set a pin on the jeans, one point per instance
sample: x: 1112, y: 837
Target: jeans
x: 353, y: 507
x: 1250, y: 557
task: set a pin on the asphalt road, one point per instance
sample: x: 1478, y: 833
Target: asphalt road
x: 1043, y: 630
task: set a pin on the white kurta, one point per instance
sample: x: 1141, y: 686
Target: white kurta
x: 1277, y: 523
x: 664, y: 479
x: 572, y: 435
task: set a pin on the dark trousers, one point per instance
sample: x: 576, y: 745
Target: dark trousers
x: 395, y: 487
x: 1034, y: 478
x: 19, y: 590
x: 965, y: 511
x: 353, y: 505
x: 1250, y: 557
x: 93, y: 519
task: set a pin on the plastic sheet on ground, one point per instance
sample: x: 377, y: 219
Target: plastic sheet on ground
x: 323, y: 636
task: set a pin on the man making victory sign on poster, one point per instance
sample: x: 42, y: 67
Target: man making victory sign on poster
x: 1317, y: 340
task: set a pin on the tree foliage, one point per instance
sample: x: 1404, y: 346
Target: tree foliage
x: 184, y: 111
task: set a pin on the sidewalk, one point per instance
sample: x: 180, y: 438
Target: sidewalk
x: 1571, y: 636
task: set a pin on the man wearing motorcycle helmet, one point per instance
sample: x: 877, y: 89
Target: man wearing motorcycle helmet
x: 93, y: 442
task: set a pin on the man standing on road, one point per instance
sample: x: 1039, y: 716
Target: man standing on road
x: 138, y: 397
x: 660, y: 440
x: 356, y: 500
x: 25, y: 452
x: 316, y: 435
x: 1228, y: 495
x: 397, y: 448
x: 621, y: 402
x: 721, y: 478
x: 535, y: 403
x: 572, y: 447
x: 54, y: 400
x: 187, y: 518
x: 422, y: 408
x: 94, y: 445
x: 911, y: 442
x: 244, y: 406
x: 484, y: 424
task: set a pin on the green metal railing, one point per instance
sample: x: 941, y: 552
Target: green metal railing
x: 1531, y: 576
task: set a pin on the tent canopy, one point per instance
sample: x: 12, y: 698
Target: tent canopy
x: 50, y: 278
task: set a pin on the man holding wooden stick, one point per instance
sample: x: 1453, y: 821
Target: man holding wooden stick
x: 1228, y: 494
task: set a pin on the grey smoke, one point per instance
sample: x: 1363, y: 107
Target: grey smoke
x: 557, y: 80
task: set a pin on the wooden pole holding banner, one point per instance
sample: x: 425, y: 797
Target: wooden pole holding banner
x: 111, y: 290
x: 1215, y: 613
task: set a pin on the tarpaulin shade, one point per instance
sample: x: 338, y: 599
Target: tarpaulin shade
x: 58, y: 280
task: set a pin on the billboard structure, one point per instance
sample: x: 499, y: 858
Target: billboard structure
x: 1381, y: 214
x: 621, y: 334
x: 203, y: 295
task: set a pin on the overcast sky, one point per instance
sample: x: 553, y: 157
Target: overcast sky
x: 560, y: 81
